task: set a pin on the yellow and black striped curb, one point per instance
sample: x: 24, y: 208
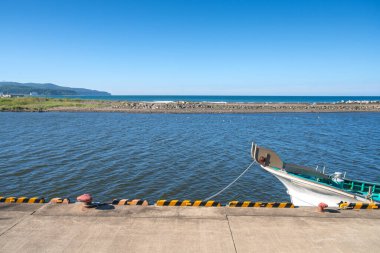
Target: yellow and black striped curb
x: 260, y: 204
x: 209, y: 203
x: 358, y: 205
x: 22, y: 200
x: 60, y: 201
x: 132, y: 202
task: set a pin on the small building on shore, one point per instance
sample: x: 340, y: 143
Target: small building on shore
x: 11, y: 95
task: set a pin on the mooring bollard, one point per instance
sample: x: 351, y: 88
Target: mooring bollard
x: 321, y: 207
x: 86, y: 199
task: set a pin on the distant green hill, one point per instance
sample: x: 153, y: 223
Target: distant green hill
x: 47, y: 89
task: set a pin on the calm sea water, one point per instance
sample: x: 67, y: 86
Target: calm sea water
x: 175, y: 156
x: 237, y: 99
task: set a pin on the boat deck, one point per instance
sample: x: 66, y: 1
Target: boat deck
x: 352, y: 186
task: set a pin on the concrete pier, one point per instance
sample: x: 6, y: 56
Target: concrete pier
x: 71, y: 228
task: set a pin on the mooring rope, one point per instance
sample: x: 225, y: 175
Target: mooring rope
x: 311, y: 204
x: 228, y: 186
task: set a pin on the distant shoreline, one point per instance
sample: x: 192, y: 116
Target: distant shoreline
x: 32, y: 104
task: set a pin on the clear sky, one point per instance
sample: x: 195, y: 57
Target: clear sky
x: 194, y: 47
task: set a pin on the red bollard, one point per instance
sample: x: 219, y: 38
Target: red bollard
x: 86, y: 199
x: 321, y: 207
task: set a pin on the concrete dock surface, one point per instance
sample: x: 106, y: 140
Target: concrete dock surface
x: 72, y: 228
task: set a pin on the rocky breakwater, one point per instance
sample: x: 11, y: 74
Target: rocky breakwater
x: 203, y: 107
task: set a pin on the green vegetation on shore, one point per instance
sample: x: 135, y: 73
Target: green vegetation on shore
x: 41, y: 104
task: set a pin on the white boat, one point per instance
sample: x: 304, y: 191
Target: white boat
x: 310, y: 187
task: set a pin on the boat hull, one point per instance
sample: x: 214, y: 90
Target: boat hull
x: 307, y: 193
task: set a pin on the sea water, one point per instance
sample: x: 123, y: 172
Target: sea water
x: 176, y: 156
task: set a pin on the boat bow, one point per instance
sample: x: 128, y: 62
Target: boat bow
x: 309, y: 187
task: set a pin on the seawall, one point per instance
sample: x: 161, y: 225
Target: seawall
x: 72, y: 228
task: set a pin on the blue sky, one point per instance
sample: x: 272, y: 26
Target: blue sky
x: 194, y: 47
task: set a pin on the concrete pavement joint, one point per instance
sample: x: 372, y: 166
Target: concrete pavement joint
x: 19, y: 221
x: 232, y: 236
x: 14, y: 225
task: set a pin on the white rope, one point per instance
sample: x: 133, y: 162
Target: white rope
x: 311, y: 204
x: 228, y: 186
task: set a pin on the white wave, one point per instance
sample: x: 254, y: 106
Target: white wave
x: 162, y: 101
x: 218, y: 102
